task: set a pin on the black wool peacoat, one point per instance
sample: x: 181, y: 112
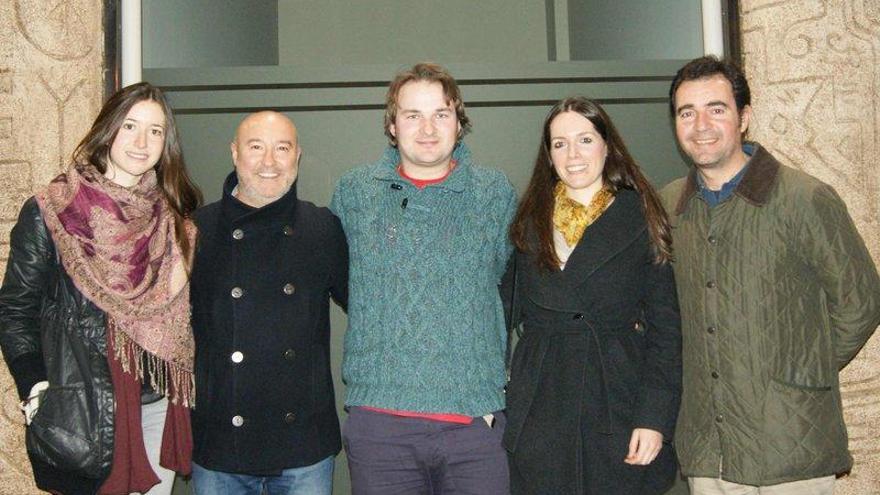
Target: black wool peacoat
x: 261, y: 286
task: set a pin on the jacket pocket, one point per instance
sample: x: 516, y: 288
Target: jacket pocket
x: 64, y: 432
x: 804, y: 433
x: 804, y: 354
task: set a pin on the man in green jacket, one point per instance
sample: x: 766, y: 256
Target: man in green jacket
x: 777, y: 292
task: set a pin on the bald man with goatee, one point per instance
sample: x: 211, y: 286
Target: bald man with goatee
x: 266, y: 266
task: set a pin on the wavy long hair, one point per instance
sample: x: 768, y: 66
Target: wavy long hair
x: 177, y: 187
x: 534, y: 216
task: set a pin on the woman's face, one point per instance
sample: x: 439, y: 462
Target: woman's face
x: 578, y: 153
x: 138, y: 144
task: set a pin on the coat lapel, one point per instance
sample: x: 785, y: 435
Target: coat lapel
x: 616, y: 229
x: 621, y: 224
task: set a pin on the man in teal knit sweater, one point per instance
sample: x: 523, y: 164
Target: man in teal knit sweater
x: 424, y: 352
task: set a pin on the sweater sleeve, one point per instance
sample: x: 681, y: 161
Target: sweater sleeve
x: 336, y: 202
x: 28, y: 271
x: 846, y: 272
x: 506, y: 211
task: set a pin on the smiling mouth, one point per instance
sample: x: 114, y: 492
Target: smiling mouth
x: 136, y: 156
x: 268, y: 175
x: 576, y: 168
x: 704, y: 142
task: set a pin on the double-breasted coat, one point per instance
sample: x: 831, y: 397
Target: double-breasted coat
x: 600, y: 355
x: 261, y: 286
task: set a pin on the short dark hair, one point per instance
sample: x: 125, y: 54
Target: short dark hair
x: 708, y: 66
x: 431, y: 72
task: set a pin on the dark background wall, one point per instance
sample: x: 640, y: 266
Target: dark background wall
x: 329, y: 61
x: 209, y: 33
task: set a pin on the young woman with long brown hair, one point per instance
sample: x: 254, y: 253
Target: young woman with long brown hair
x: 94, y: 307
x: 596, y: 377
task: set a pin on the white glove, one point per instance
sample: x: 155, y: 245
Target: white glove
x: 30, y: 406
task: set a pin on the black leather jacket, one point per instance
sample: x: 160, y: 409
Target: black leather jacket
x: 50, y: 331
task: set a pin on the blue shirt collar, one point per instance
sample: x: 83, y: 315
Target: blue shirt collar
x: 714, y: 198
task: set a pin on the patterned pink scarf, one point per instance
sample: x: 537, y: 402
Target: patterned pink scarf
x: 118, y: 246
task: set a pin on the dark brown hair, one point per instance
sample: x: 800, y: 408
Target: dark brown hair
x: 178, y: 188
x: 425, y: 71
x: 534, y: 216
x: 709, y: 66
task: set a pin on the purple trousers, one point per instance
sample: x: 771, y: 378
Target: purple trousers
x: 392, y: 455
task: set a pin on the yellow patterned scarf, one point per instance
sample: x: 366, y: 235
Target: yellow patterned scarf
x: 572, y: 218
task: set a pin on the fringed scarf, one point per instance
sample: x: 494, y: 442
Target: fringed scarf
x: 572, y: 218
x: 118, y: 246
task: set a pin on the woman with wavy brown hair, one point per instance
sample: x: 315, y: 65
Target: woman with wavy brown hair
x: 94, y: 307
x: 596, y: 377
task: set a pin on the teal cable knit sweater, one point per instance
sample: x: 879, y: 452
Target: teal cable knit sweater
x: 426, y: 328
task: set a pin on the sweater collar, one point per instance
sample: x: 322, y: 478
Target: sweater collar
x: 759, y: 179
x: 235, y: 212
x: 386, y: 169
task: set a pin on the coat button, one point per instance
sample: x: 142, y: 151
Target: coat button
x: 237, y: 234
x: 289, y: 418
x: 578, y: 316
x: 288, y: 230
x: 237, y: 421
x: 710, y: 284
x: 237, y: 357
x: 711, y: 329
x: 237, y: 292
x: 712, y: 239
x: 719, y: 418
x: 289, y: 289
x: 289, y: 354
x: 715, y: 374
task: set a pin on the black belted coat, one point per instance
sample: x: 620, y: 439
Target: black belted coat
x: 600, y: 355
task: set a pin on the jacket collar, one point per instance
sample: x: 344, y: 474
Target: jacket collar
x: 755, y: 186
x: 613, y: 231
x: 235, y: 213
x: 617, y: 228
x: 386, y: 168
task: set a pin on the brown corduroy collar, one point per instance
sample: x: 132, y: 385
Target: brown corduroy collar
x: 754, y: 187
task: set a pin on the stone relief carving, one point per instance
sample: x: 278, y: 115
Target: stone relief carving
x: 61, y: 29
x: 813, y: 70
x: 61, y: 97
x: 51, y: 61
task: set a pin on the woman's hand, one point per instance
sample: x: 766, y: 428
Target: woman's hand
x: 644, y: 445
x: 30, y: 405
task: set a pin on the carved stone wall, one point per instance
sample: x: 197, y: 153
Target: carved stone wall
x: 813, y: 70
x: 51, y: 61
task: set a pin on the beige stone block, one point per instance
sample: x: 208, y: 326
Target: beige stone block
x: 5, y: 81
x: 17, y: 184
x: 51, y: 60
x: 5, y: 128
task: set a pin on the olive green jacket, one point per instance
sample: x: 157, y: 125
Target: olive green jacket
x: 777, y: 294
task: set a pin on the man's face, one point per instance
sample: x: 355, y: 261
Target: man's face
x: 426, y: 128
x: 707, y: 124
x: 266, y: 158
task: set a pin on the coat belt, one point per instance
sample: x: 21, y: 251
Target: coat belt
x: 598, y: 333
